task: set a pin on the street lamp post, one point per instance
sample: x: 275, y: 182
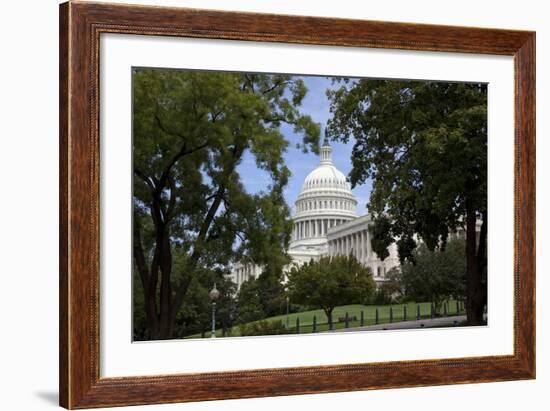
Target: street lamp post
x: 214, y: 294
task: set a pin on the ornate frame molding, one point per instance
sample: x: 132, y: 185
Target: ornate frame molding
x: 81, y: 24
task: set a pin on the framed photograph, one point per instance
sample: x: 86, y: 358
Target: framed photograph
x: 259, y: 205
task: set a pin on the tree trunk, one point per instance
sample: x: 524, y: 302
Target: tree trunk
x: 160, y: 265
x: 181, y: 289
x: 328, y: 313
x: 144, y: 274
x: 475, y: 290
x: 166, y: 324
x: 162, y: 322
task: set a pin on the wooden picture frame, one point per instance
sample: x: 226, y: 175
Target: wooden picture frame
x: 80, y: 27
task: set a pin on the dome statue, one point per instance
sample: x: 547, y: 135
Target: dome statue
x: 325, y: 201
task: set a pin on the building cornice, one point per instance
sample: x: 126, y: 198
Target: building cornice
x: 357, y: 224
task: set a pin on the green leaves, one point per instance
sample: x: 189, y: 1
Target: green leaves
x: 382, y: 236
x: 249, y: 307
x: 329, y: 282
x: 191, y: 130
x: 437, y: 275
x: 424, y: 145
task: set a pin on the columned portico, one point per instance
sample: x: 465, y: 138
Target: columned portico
x: 353, y: 238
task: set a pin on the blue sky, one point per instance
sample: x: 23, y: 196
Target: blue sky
x: 316, y: 104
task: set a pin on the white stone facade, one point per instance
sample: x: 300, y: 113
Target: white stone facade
x: 353, y: 238
x: 326, y: 223
x: 243, y: 272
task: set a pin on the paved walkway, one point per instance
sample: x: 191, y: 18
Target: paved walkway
x: 424, y: 323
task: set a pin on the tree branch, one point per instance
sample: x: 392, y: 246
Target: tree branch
x: 200, y: 240
x: 183, y: 152
x: 172, y: 201
x: 165, y: 130
x: 275, y: 85
x: 282, y: 119
x: 250, y: 83
x: 146, y: 179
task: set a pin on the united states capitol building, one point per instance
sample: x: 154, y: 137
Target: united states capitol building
x: 326, y: 224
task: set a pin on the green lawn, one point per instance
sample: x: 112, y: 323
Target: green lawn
x: 369, y: 314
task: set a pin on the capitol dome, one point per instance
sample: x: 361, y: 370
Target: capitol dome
x: 325, y: 201
x: 325, y: 223
x: 326, y: 176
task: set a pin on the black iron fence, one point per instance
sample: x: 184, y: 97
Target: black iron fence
x: 382, y: 315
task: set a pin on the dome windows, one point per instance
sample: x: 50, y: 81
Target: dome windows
x: 325, y: 188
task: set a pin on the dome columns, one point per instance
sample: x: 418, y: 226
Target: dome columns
x: 326, y: 153
x: 315, y: 227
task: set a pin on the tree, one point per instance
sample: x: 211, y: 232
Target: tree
x: 390, y: 291
x: 249, y: 302
x: 272, y: 291
x: 437, y: 275
x: 329, y: 282
x: 424, y: 145
x: 195, y: 315
x: 261, y: 297
x: 190, y: 131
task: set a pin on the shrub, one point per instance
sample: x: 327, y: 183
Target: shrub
x: 263, y: 328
